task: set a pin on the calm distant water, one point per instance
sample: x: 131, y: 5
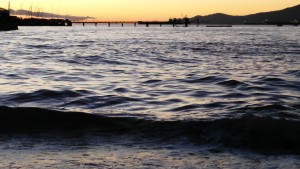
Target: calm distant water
x: 158, y: 74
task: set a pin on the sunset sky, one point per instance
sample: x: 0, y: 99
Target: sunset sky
x: 149, y: 9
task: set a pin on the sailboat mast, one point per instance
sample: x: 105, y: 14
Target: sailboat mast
x: 8, y: 8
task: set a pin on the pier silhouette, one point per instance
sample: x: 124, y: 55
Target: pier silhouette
x: 106, y: 22
x: 185, y: 22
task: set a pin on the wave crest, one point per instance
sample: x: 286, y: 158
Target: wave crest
x: 251, y: 132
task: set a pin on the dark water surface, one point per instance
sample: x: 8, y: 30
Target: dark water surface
x: 153, y: 90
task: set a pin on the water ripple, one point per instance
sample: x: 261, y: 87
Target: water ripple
x: 169, y: 73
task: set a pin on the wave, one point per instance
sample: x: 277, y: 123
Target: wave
x: 231, y: 83
x: 251, y: 132
x: 44, y: 93
x: 208, y: 79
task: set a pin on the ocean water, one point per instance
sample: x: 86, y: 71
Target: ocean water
x: 156, y: 97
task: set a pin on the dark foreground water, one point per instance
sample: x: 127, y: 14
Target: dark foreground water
x: 154, y: 97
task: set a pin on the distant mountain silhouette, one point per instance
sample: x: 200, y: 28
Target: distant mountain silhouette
x: 285, y: 15
x: 48, y: 15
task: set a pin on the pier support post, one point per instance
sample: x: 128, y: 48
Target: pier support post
x: 108, y: 24
x: 83, y: 24
x: 186, y: 22
x: 134, y: 24
x: 95, y: 24
x: 122, y: 24
x: 160, y: 25
x: 147, y: 24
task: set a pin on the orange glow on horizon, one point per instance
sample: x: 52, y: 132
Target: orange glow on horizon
x: 149, y: 9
